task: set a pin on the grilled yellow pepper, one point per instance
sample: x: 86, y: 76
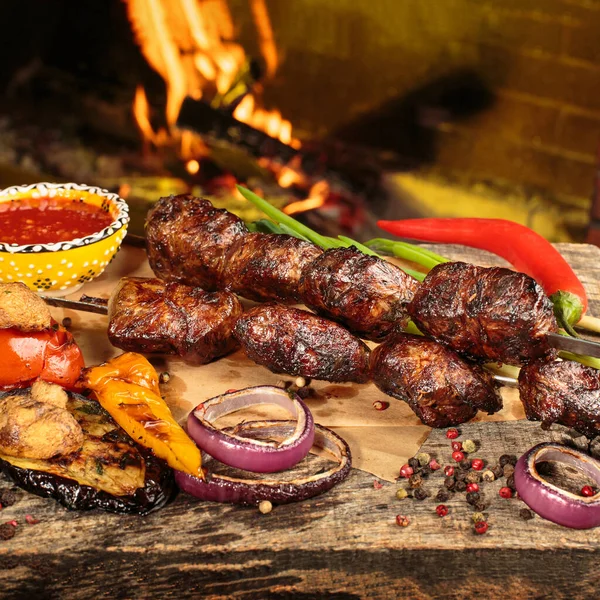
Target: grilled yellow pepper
x: 127, y: 388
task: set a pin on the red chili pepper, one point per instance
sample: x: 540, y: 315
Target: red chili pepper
x: 523, y: 248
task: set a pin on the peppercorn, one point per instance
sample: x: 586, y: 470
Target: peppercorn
x: 469, y: 446
x: 434, y: 465
x: 421, y: 494
x: 498, y: 471
x: 481, y: 527
x: 488, y: 475
x: 402, y: 521
x: 265, y: 507
x: 508, y: 470
x: 477, y: 464
x: 406, y: 471
x: 476, y: 517
x: 460, y: 486
x: 423, y: 458
x: 413, y: 463
x: 7, y: 498
x: 450, y: 483
x: 304, y: 392
x: 415, y: 481
x: 505, y: 492
x: 426, y: 470
x: 164, y: 377
x: 587, y: 491
x: 441, y: 510
x: 465, y: 465
x: 401, y: 493
x: 472, y: 487
x: 525, y: 514
x: 381, y: 405
x: 480, y: 506
x: 458, y: 456
x: 473, y: 477
x: 510, y: 482
x: 456, y: 446
x: 448, y: 471
x: 442, y: 496
x: 452, y: 433
x: 7, y: 531
x: 507, y: 459
x: 472, y: 497
x: 66, y: 322
x: 460, y: 475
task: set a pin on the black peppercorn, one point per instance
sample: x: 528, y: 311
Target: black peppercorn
x: 442, y: 496
x: 460, y: 486
x: 473, y: 477
x: 7, y: 531
x: 7, y: 497
x: 498, y: 471
x: 465, y: 464
x: 414, y: 463
x: 426, y: 470
x: 449, y: 483
x: 508, y: 459
x: 480, y: 506
x: 421, y: 494
x: 508, y: 470
x: 460, y: 475
x: 473, y: 497
x: 415, y: 480
x: 510, y: 482
x: 525, y: 514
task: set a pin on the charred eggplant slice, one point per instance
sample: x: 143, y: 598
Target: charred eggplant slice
x: 110, y: 472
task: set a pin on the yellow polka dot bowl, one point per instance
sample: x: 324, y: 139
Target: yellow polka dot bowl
x: 61, y: 268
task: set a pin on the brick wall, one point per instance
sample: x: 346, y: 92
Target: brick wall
x: 541, y: 59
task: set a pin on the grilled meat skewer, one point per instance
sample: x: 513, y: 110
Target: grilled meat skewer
x: 491, y: 314
x: 564, y: 392
x: 440, y: 387
x: 296, y: 342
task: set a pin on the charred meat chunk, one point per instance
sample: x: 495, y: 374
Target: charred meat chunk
x: 22, y: 308
x: 187, y: 239
x: 440, y: 387
x: 365, y: 293
x: 296, y: 342
x: 491, y: 314
x: 149, y: 315
x: 564, y: 392
x: 261, y: 266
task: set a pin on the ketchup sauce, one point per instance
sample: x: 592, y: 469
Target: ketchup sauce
x: 49, y: 220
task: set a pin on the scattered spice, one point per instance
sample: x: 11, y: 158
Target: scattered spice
x: 508, y: 470
x: 421, y: 494
x: 481, y: 527
x: 456, y: 446
x: 442, y: 495
x: 476, y: 517
x: 510, y: 482
x: 434, y: 465
x: 450, y: 483
x: 458, y: 456
x: 300, y: 382
x: 505, y: 492
x: 377, y: 485
x: 31, y: 521
x: 380, y: 405
x: 477, y: 464
x: 66, y: 322
x: 7, y: 531
x: 460, y: 486
x: 406, y: 471
x: 469, y: 446
x: 488, y: 475
x: 449, y: 471
x: 265, y: 507
x: 480, y: 506
x: 423, y: 458
x: 415, y: 481
x: 413, y: 462
x: 401, y: 493
x: 164, y: 377
x: 12, y: 523
x: 526, y: 514
x: 402, y: 520
x: 452, y: 433
x: 465, y: 464
x: 473, y: 477
x: 587, y: 491
x: 7, y: 498
x: 460, y: 475
x: 506, y: 459
x: 498, y: 471
x: 473, y: 498
x: 426, y: 470
x: 472, y: 487
x: 441, y: 510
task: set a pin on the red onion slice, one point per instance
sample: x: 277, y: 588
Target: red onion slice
x: 222, y: 488
x: 551, y: 502
x: 252, y: 455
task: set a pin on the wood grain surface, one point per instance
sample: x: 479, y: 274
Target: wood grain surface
x: 344, y: 544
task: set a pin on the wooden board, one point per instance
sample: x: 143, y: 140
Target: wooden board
x: 344, y: 544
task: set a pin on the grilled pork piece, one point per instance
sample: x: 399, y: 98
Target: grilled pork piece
x: 490, y: 314
x: 22, y: 308
x: 295, y: 342
x: 262, y: 266
x: 187, y: 239
x: 365, y: 293
x: 440, y: 387
x: 564, y: 392
x: 149, y: 315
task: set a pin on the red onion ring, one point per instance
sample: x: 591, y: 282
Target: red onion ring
x: 222, y: 488
x: 551, y: 502
x: 243, y: 453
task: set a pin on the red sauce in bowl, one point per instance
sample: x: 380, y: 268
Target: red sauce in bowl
x: 49, y: 220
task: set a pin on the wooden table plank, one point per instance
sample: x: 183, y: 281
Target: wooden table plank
x: 344, y: 544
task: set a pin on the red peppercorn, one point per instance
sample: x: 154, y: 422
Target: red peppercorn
x: 441, y: 510
x: 458, y: 456
x: 587, y: 491
x: 452, y: 433
x: 472, y: 487
x: 481, y: 527
x: 381, y: 405
x: 477, y: 464
x: 377, y: 485
x: 434, y: 465
x: 449, y: 471
x: 456, y: 446
x: 505, y: 492
x: 406, y: 471
x: 402, y: 521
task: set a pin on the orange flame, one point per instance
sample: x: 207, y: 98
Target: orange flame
x: 188, y: 42
x: 317, y: 196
